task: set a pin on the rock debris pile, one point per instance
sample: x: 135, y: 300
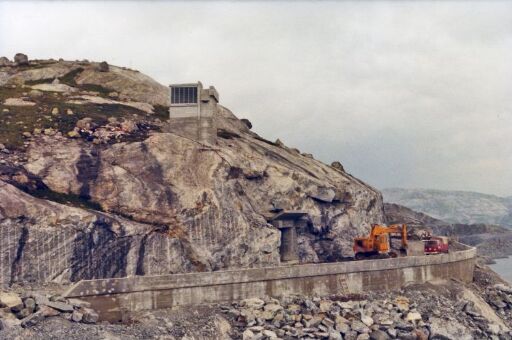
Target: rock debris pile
x: 410, y: 314
x: 30, y: 308
x: 499, y: 297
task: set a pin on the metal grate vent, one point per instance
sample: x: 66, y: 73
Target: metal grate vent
x: 184, y: 95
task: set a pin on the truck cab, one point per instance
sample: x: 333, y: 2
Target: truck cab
x: 436, y: 245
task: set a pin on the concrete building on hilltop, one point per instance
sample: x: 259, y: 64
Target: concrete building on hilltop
x: 192, y: 110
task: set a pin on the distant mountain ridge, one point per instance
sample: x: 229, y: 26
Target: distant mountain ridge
x: 454, y: 206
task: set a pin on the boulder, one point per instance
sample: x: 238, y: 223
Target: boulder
x: 503, y: 288
x: 379, y: 335
x: 392, y: 332
x: 253, y: 303
x: 32, y: 320
x: 322, y: 194
x: 413, y: 316
x: 10, y: 300
x: 40, y: 298
x: 494, y: 328
x: 325, y: 306
x: 20, y: 59
x: 4, y: 62
x: 367, y: 320
x: 342, y: 324
x: 23, y: 313
x: 63, y: 88
x: 359, y: 327
x: 247, y: 123
x: 30, y: 303
x: 129, y: 126
x: 77, y: 316
x: 333, y: 335
x: 48, y: 311
x: 448, y: 329
x: 18, y: 102
x: 35, y: 94
x: 337, y: 165
x: 402, y: 303
x: 247, y: 335
x: 73, y: 134
x: 497, y: 302
x: 103, y: 66
x: 269, y: 334
x: 90, y: 316
x: 60, y: 306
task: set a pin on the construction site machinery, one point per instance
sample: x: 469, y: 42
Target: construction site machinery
x: 436, y: 245
x: 378, y: 244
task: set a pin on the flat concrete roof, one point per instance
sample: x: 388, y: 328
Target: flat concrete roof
x: 289, y: 215
x: 186, y: 84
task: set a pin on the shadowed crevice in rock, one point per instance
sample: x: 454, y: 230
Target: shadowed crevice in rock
x: 88, y: 167
x: 99, y: 253
x: 16, y: 263
x: 34, y: 185
x: 140, y: 259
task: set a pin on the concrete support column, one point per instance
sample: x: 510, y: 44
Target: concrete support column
x: 289, y: 251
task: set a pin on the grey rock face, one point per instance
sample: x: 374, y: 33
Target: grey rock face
x: 57, y: 242
x: 163, y: 203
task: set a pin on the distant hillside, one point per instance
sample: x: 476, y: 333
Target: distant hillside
x: 454, y: 206
x: 492, y: 241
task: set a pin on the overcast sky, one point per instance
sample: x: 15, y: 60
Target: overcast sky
x: 404, y: 94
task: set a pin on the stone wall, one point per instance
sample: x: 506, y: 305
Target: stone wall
x: 113, y: 296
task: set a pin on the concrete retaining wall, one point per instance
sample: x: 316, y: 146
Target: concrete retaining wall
x: 113, y: 297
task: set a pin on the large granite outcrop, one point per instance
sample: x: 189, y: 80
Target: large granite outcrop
x: 163, y: 203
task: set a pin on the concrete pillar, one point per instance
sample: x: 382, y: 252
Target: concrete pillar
x: 289, y: 251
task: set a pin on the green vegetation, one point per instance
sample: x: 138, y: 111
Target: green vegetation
x: 21, y: 119
x: 69, y: 79
x: 161, y: 112
x: 39, y: 81
x: 68, y: 199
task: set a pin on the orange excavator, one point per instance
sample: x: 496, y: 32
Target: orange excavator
x: 377, y: 244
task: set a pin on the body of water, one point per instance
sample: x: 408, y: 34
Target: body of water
x: 504, y: 268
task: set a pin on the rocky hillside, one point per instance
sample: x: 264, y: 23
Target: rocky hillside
x: 492, y: 241
x: 454, y: 206
x: 92, y: 185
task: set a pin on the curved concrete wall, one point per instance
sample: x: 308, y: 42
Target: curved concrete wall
x: 114, y: 296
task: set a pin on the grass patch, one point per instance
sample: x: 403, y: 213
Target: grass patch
x: 39, y: 81
x: 103, y: 91
x: 67, y: 199
x: 21, y: 119
x: 161, y: 112
x: 69, y: 78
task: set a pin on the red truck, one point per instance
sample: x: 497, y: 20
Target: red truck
x: 436, y: 245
